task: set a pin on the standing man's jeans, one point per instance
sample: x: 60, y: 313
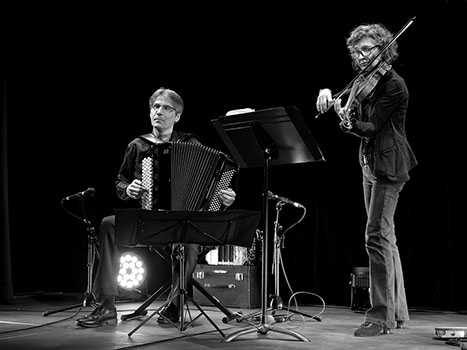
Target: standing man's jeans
x: 387, y: 292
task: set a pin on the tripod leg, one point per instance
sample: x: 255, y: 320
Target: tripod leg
x: 238, y: 333
x: 263, y: 330
x: 47, y: 313
x: 290, y: 332
x: 180, y: 293
x: 251, y: 315
x: 205, y: 315
x: 141, y: 311
x: 152, y: 315
x: 229, y: 314
x: 89, y: 299
x: 317, y: 318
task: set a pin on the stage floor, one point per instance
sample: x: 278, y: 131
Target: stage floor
x: 23, y: 326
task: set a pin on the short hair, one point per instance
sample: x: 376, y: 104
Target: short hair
x: 378, y: 33
x: 169, y: 94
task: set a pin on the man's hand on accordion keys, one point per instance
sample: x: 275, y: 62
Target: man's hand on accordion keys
x: 227, y: 197
x: 135, y: 190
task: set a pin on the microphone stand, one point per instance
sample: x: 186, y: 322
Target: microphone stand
x: 276, y: 300
x: 269, y: 152
x: 89, y: 298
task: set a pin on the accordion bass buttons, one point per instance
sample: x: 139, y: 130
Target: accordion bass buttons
x: 147, y: 181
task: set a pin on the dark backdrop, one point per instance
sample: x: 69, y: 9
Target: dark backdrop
x: 78, y: 84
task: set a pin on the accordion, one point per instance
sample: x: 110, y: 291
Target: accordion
x: 185, y: 176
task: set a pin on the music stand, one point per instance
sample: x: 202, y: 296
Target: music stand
x: 264, y: 138
x: 150, y: 227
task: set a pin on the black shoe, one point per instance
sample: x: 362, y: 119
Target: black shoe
x: 100, y: 316
x: 370, y: 329
x: 86, y: 316
x: 171, y: 312
x: 94, y: 305
x: 81, y: 318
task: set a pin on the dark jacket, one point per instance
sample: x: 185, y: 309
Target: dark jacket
x: 136, y: 150
x: 381, y: 125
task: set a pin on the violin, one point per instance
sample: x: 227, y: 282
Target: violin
x: 361, y: 89
x: 364, y: 83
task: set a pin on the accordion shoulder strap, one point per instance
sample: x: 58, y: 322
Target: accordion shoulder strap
x: 149, y: 138
x: 176, y: 136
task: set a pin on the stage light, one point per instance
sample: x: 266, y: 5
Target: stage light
x: 132, y: 271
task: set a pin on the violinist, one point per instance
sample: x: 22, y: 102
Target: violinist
x: 375, y: 111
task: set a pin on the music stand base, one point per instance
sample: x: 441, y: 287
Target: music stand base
x: 314, y: 317
x: 263, y: 330
x: 183, y: 326
x: 241, y: 318
x: 141, y: 311
x: 183, y: 296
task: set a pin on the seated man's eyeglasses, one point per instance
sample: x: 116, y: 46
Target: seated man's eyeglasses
x: 165, y: 108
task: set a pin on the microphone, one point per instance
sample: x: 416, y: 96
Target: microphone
x: 283, y: 199
x: 88, y: 193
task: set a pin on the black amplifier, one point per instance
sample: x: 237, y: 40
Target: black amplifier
x: 236, y: 286
x: 360, y: 287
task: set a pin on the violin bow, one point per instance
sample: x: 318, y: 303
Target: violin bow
x: 385, y: 47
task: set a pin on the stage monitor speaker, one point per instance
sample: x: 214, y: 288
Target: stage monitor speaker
x: 359, y: 289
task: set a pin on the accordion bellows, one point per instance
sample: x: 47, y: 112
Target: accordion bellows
x: 185, y: 176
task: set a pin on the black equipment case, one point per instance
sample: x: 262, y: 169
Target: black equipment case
x: 236, y: 286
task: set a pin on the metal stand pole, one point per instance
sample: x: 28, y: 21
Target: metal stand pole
x: 276, y: 300
x: 89, y: 298
x: 265, y: 327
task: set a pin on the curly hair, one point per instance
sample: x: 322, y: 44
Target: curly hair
x: 379, y: 34
x: 169, y: 94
